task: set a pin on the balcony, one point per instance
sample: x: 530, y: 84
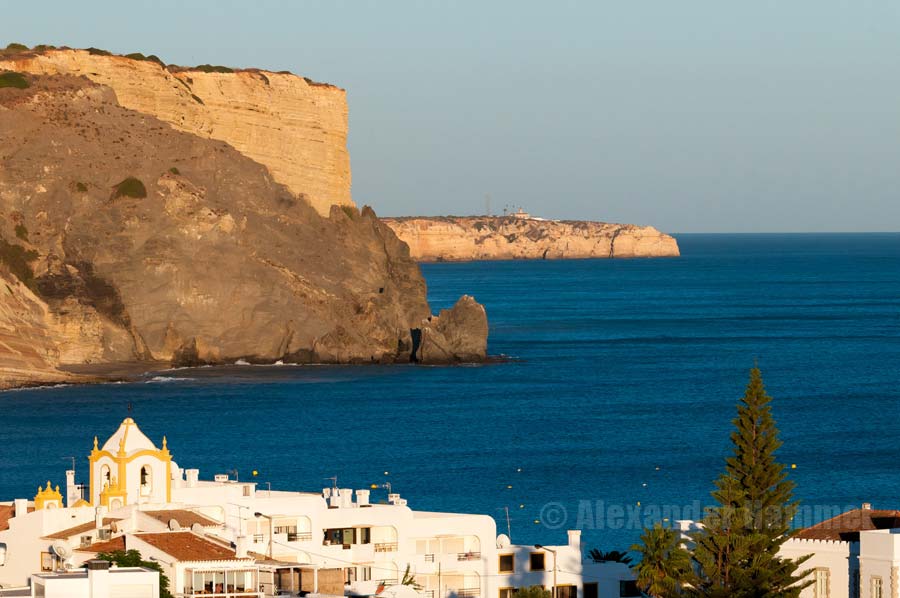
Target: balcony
x: 299, y: 536
x: 468, y: 556
x: 466, y: 592
x: 385, y: 547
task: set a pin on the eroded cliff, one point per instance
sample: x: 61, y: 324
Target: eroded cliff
x: 509, y: 238
x: 139, y: 242
x: 295, y: 127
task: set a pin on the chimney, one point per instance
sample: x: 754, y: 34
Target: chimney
x: 72, y: 491
x: 395, y: 499
x: 98, y: 577
x: 21, y: 505
x: 240, y: 547
x: 193, y: 476
x: 346, y: 498
x: 362, y: 498
x: 326, y: 493
x: 99, y: 513
x: 867, y: 506
x: 575, y: 539
x: 334, y: 501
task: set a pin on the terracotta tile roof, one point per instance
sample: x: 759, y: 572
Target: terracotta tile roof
x: 846, y: 526
x: 108, y: 546
x: 184, y: 517
x: 7, y: 512
x: 79, y: 529
x: 188, y: 546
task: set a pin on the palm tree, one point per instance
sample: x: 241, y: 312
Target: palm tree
x: 665, y: 564
x: 613, y: 556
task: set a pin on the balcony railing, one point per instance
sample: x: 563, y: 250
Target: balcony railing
x: 299, y: 536
x: 259, y: 538
x: 467, y: 592
x: 385, y: 547
x: 234, y: 594
x: 389, y: 582
x: 429, y: 558
x: 468, y: 556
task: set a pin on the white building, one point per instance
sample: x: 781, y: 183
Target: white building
x: 853, y: 555
x: 230, y: 538
x: 97, y: 580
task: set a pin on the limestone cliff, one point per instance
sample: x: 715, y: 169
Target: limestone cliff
x: 512, y: 238
x: 27, y: 354
x: 133, y: 241
x: 295, y: 127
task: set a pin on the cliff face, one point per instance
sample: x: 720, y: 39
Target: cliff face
x: 509, y: 238
x: 294, y: 127
x: 140, y: 242
x: 27, y: 355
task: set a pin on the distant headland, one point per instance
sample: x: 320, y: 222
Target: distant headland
x: 521, y: 236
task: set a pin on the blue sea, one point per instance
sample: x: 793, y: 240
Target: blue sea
x: 619, y: 390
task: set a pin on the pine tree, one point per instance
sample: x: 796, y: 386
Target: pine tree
x: 736, y: 551
x: 665, y: 566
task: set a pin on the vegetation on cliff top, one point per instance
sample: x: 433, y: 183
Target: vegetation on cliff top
x: 130, y: 187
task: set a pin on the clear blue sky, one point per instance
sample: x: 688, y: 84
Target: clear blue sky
x: 768, y: 115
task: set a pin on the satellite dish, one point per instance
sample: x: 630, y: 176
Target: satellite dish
x: 62, y: 549
x: 174, y: 525
x: 197, y: 528
x: 503, y: 541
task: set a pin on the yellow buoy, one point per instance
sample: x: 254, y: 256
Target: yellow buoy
x: 255, y: 473
x: 793, y: 466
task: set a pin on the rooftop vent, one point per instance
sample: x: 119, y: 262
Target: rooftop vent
x: 867, y: 506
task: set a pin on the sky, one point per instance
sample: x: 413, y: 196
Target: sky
x: 691, y: 116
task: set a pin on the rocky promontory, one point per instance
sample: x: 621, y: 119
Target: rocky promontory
x: 124, y: 238
x: 469, y: 238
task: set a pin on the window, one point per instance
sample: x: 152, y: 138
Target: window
x: 2, y: 554
x: 566, y: 592
x: 537, y: 561
x: 247, y: 490
x: 820, y: 586
x: 507, y: 592
x: 590, y: 590
x: 507, y: 563
x: 876, y: 588
x: 85, y: 541
x: 47, y: 561
x: 104, y: 474
x: 628, y: 588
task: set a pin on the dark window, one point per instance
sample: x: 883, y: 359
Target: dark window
x: 566, y: 592
x: 365, y: 535
x: 507, y: 592
x: 507, y: 563
x: 590, y: 590
x: 628, y: 588
x: 537, y: 561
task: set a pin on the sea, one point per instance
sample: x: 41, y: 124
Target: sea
x: 610, y: 410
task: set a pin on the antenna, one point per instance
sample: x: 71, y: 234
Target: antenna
x: 508, y: 527
x: 333, y: 481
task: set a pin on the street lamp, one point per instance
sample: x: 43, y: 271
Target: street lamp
x: 272, y: 533
x: 553, y: 552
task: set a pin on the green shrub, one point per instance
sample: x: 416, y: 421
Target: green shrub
x: 349, y: 211
x: 43, y: 48
x: 13, y: 79
x: 14, y: 47
x: 98, y: 52
x: 174, y: 170
x: 81, y: 187
x: 130, y: 187
x: 210, y: 68
x: 16, y: 259
x: 22, y: 232
x: 151, y: 58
